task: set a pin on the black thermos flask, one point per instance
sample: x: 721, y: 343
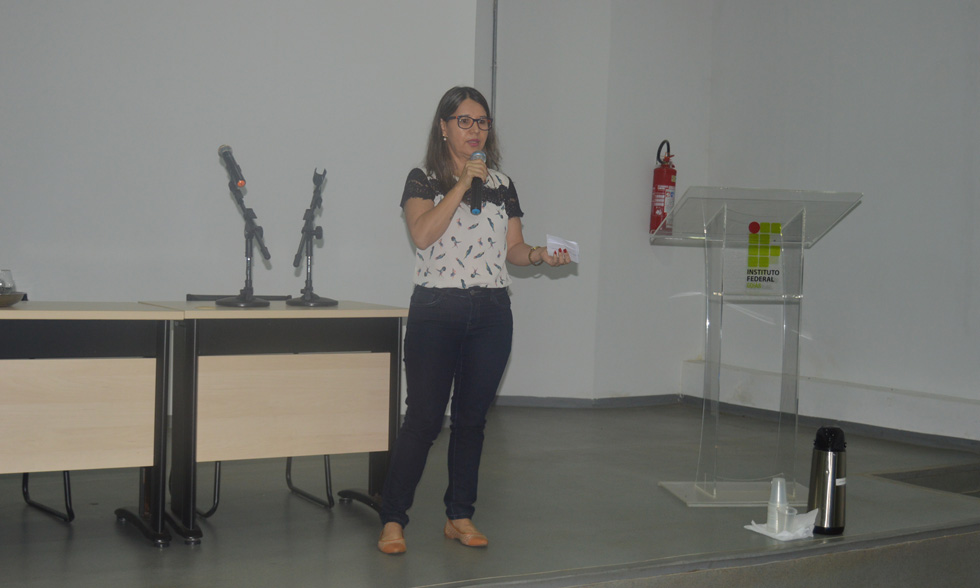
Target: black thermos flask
x: 828, y: 481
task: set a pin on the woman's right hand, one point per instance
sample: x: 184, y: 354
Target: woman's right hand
x: 473, y: 168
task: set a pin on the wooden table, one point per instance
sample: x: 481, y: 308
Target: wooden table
x: 282, y: 381
x: 84, y: 385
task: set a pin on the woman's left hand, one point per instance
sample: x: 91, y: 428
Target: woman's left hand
x: 560, y: 257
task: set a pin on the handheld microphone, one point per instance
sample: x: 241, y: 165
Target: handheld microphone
x: 476, y: 188
x: 234, y: 172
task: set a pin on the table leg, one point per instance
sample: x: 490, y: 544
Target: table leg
x: 149, y: 516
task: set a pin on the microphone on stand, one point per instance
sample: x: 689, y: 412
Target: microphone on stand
x: 476, y: 189
x: 234, y: 171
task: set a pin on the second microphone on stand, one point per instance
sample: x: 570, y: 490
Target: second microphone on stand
x: 475, y: 196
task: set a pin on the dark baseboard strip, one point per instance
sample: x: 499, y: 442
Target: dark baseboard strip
x: 875, y: 432
x: 558, y: 402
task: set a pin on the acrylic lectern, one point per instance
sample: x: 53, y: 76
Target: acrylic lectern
x: 753, y: 253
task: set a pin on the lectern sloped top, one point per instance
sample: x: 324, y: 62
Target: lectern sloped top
x: 741, y: 206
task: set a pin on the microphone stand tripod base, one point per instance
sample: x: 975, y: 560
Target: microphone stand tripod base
x: 311, y: 300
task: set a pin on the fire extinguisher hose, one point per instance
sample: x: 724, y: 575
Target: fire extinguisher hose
x: 659, y: 149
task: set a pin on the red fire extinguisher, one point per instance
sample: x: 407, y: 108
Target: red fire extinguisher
x: 664, y: 184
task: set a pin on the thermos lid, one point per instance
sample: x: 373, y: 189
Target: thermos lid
x: 829, y: 439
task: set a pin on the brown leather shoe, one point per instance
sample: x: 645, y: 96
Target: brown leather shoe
x: 463, y: 531
x: 392, y: 539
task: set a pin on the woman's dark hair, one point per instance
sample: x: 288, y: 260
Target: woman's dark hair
x: 438, y: 160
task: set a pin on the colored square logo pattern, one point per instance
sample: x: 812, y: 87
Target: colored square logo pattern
x: 763, y: 244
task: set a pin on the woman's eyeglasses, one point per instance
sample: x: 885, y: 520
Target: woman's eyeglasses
x: 465, y: 122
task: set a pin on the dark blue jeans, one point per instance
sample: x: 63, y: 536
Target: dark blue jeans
x: 456, y: 340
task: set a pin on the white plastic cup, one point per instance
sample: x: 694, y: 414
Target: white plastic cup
x: 777, y: 491
x: 777, y: 500
x: 785, y: 519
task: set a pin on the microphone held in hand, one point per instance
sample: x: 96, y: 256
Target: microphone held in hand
x: 234, y: 172
x: 475, y: 201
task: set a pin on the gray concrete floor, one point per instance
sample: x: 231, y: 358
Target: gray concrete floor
x: 568, y: 497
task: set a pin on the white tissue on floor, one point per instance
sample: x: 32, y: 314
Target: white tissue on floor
x: 800, y: 528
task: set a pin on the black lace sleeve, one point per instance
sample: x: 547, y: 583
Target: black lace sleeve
x: 511, y: 203
x: 418, y: 185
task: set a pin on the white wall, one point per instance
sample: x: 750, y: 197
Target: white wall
x: 870, y: 96
x: 582, y: 109
x: 111, y: 188
x: 551, y: 109
x: 113, y: 112
x: 878, y: 97
x: 649, y: 298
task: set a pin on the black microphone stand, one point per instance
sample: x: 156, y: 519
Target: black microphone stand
x: 309, y: 233
x: 246, y: 298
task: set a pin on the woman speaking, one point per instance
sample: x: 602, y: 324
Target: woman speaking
x: 465, y: 221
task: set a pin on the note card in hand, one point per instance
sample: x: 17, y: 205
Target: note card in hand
x: 556, y: 243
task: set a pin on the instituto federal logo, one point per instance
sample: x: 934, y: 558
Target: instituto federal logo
x: 762, y: 272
